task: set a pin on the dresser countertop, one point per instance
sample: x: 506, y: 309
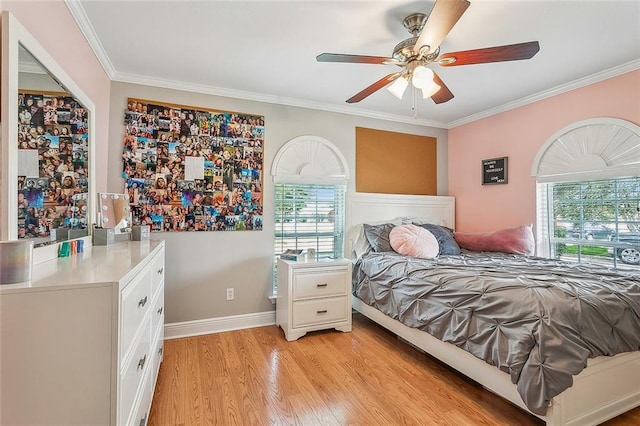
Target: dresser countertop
x: 97, y: 265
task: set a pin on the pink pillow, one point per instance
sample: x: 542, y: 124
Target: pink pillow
x: 414, y: 241
x: 518, y: 240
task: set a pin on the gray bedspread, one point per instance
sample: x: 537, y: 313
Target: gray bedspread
x: 535, y: 319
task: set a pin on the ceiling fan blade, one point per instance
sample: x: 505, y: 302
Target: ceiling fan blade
x: 374, y: 87
x: 443, y: 17
x: 511, y: 52
x: 355, y: 59
x: 444, y: 94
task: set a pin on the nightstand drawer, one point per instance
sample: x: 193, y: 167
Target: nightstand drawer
x: 320, y: 311
x: 320, y: 283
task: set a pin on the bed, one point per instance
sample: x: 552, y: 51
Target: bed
x: 608, y: 386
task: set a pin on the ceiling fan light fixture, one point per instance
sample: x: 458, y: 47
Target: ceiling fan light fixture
x: 430, y: 91
x: 422, y: 77
x: 398, y: 87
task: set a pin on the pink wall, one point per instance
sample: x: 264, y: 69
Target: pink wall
x: 51, y: 23
x: 519, y: 134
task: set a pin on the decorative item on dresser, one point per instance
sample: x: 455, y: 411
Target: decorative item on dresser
x: 82, y: 343
x: 313, y: 296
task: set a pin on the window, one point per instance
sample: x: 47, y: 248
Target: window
x: 309, y: 216
x: 310, y: 176
x: 591, y: 221
x: 588, y: 201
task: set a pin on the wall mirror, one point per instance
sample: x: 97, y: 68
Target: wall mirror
x: 46, y: 182
x: 53, y: 154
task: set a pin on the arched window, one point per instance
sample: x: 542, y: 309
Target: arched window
x: 588, y: 193
x: 310, y: 176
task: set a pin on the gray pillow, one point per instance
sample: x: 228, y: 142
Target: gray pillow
x: 378, y: 236
x: 444, y: 235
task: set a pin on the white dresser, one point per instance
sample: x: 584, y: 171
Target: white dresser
x: 82, y: 344
x: 313, y: 296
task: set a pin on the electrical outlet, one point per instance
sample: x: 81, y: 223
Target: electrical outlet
x: 230, y: 294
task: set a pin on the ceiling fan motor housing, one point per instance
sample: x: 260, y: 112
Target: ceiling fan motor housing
x: 404, y: 51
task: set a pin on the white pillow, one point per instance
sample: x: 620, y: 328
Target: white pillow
x: 414, y: 241
x: 359, y: 243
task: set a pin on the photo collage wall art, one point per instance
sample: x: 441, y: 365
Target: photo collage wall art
x: 52, y: 163
x: 193, y: 169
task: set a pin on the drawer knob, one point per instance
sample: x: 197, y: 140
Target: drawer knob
x: 321, y: 285
x: 324, y: 311
x: 160, y: 310
x: 160, y: 270
x: 142, y: 302
x: 142, y: 361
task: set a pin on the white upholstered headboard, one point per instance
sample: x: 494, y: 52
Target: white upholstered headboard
x: 365, y: 207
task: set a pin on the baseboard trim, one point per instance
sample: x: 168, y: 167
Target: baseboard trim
x: 218, y: 325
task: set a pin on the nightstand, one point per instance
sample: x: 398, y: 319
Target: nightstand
x: 313, y: 296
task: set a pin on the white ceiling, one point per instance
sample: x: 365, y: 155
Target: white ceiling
x: 266, y: 50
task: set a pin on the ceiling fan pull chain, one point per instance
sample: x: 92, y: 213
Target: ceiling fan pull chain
x: 414, y: 105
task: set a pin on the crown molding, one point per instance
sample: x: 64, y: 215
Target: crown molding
x: 272, y: 99
x: 78, y: 13
x: 576, y: 84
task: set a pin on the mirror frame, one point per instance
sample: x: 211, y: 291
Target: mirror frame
x: 14, y: 35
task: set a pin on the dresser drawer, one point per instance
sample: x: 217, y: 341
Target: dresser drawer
x: 134, y: 372
x: 319, y: 311
x: 157, y: 311
x: 157, y: 352
x: 135, y: 303
x: 140, y: 413
x: 310, y: 283
x: 157, y: 271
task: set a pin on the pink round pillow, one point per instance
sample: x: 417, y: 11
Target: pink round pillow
x: 414, y: 241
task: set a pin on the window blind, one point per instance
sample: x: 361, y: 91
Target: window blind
x: 309, y: 216
x: 589, y: 221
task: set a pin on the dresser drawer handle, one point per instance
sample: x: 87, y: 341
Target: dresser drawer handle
x: 324, y: 311
x: 160, y: 270
x: 142, y: 361
x: 160, y: 310
x: 142, y: 302
x: 321, y: 285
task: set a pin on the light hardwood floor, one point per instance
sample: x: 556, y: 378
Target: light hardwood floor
x: 366, y: 377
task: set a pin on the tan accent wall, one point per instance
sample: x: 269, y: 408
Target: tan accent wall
x: 395, y: 163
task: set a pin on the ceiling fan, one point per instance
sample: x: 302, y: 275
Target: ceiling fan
x: 423, y: 48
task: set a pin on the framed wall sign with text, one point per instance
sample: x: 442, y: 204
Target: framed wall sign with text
x: 494, y: 171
